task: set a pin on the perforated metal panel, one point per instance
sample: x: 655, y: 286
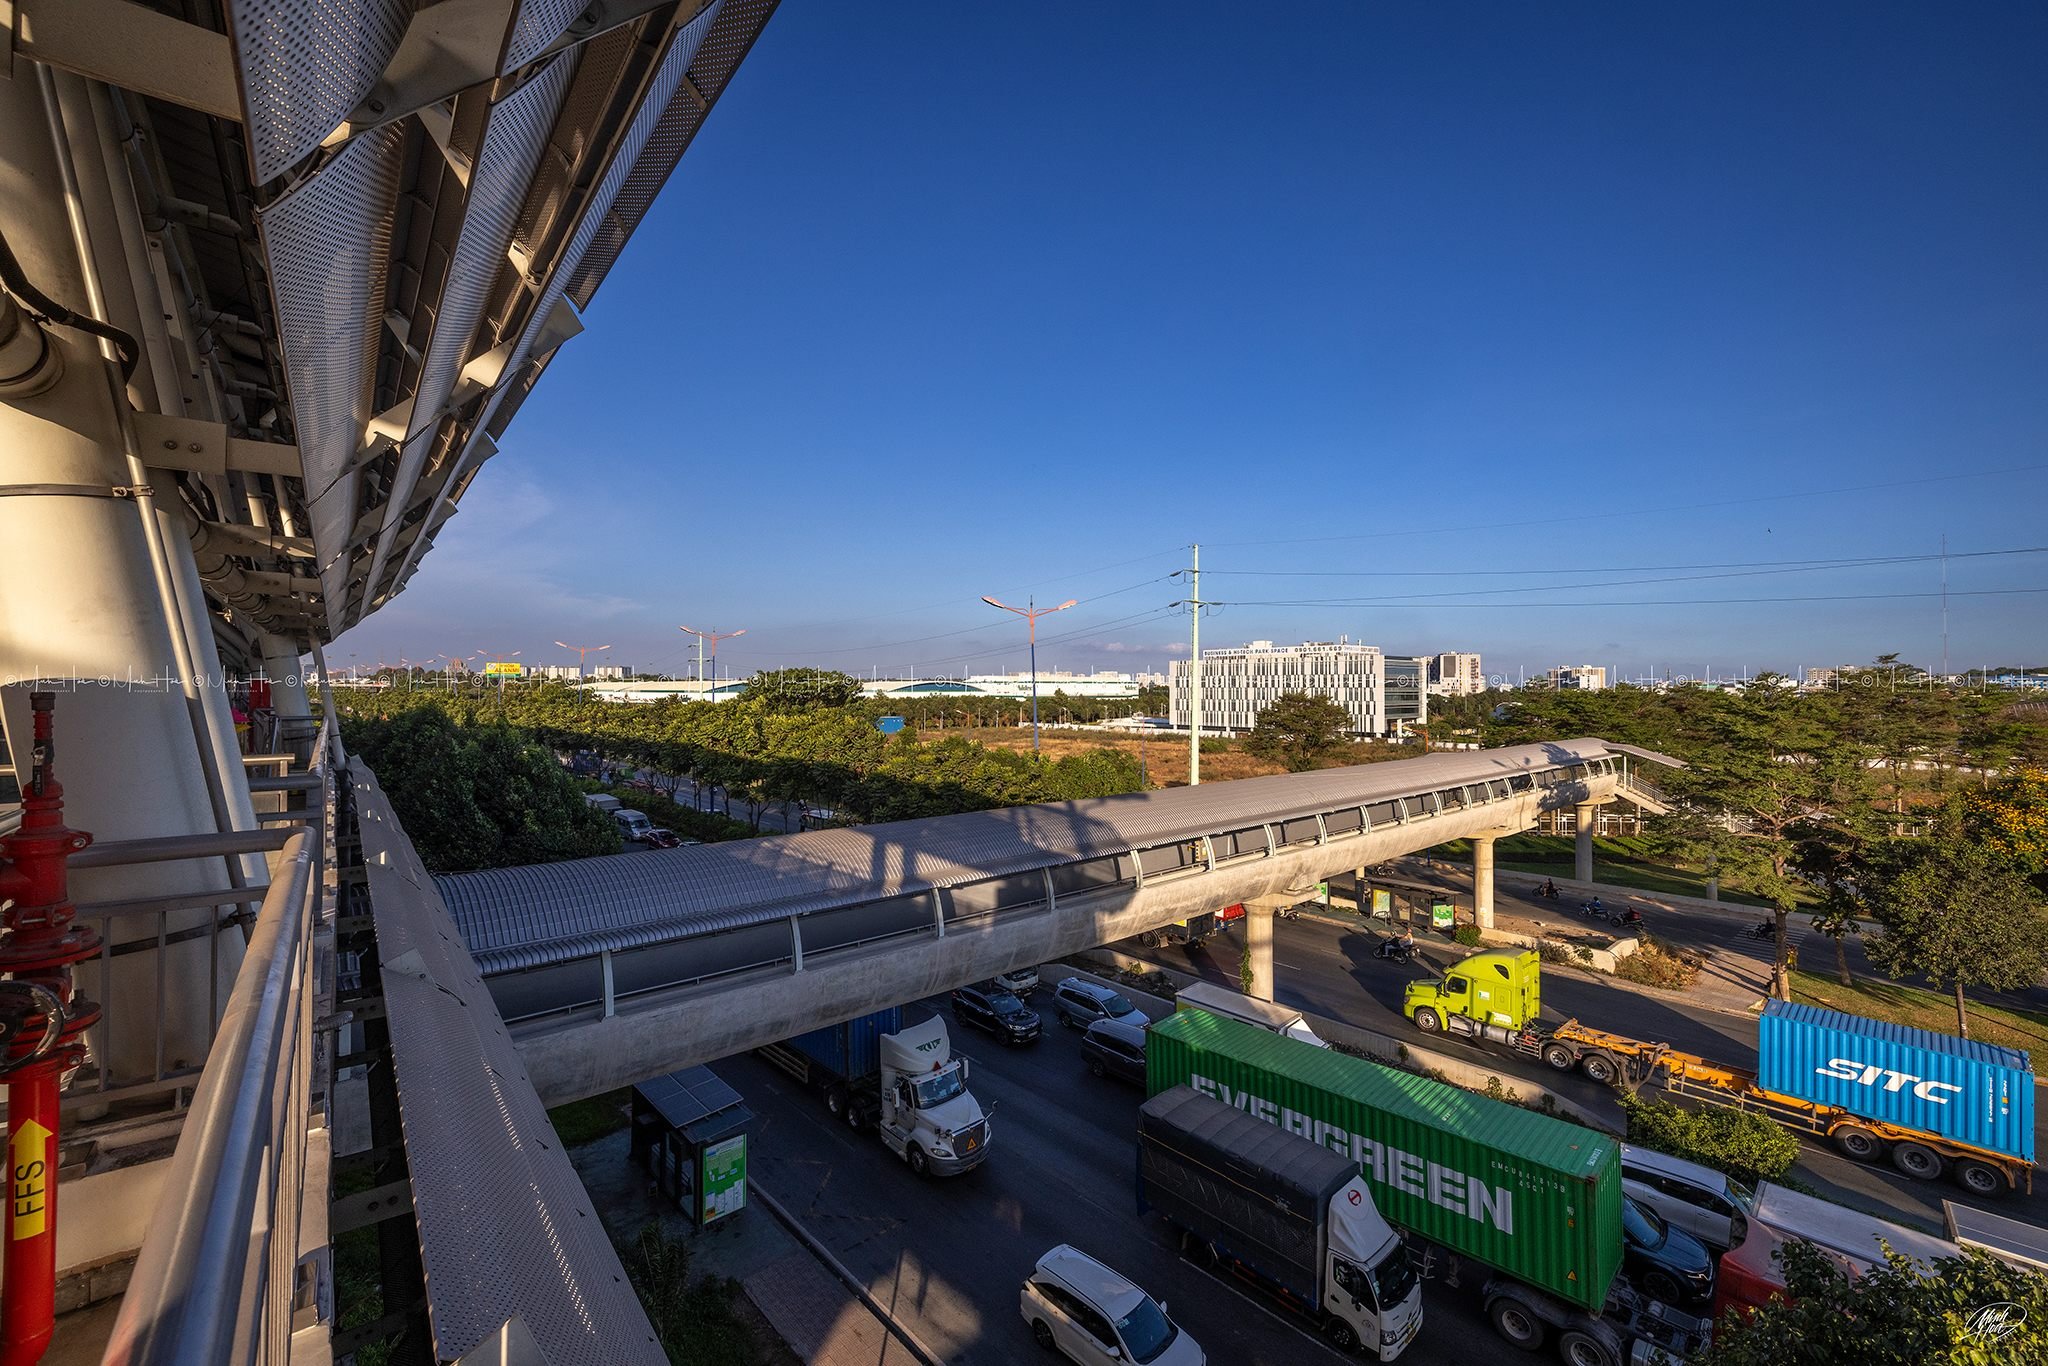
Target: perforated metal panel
x: 329, y: 245
x: 538, y: 23
x: 505, y: 1225
x: 306, y: 64
x: 667, y: 79
x: 739, y: 23
x: 514, y: 137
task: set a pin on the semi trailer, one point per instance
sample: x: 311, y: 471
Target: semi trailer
x: 1536, y: 1200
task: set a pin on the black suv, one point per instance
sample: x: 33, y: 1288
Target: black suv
x: 986, y: 1006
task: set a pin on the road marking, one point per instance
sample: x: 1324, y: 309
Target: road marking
x: 1288, y: 1320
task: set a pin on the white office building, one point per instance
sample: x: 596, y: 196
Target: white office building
x: 1581, y: 677
x: 1456, y: 673
x: 1240, y: 683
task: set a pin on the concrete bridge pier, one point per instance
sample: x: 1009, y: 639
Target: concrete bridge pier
x: 1585, y: 816
x: 1258, y: 942
x: 1482, y: 878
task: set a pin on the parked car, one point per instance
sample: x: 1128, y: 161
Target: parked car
x: 987, y: 1006
x: 1663, y: 1262
x: 632, y: 824
x: 660, y: 837
x: 1022, y: 981
x: 1088, y: 1313
x: 1115, y: 1049
x: 1710, y: 1206
x: 1081, y: 1003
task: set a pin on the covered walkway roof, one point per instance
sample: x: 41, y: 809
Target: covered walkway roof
x: 542, y: 914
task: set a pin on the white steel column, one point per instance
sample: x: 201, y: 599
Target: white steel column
x: 82, y: 603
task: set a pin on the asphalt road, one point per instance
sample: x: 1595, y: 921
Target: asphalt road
x: 948, y: 1255
x: 1328, y: 969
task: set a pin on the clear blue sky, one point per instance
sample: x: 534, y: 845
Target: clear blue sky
x: 952, y: 299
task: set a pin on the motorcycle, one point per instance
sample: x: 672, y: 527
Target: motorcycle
x: 1593, y: 908
x: 1628, y: 919
x: 1548, y: 891
x: 1395, y: 950
x: 1763, y: 929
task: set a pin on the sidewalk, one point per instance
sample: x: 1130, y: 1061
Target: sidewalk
x: 817, y: 1318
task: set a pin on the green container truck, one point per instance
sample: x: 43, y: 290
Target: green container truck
x: 1536, y: 1199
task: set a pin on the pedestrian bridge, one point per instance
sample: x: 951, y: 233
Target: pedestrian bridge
x: 611, y: 970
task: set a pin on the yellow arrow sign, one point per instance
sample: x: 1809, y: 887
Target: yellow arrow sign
x: 28, y: 1162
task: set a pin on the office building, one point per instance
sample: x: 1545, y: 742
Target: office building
x: 1238, y: 684
x: 1456, y: 673
x: 1579, y: 677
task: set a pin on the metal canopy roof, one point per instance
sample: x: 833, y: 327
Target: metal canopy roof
x: 695, y: 1103
x: 543, y: 913
x: 381, y: 220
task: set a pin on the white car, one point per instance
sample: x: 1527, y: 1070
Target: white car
x: 1080, y: 1308
x: 1019, y: 982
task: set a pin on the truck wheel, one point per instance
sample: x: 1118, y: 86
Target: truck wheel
x: 919, y: 1164
x: 1514, y: 1321
x: 1428, y: 1021
x: 1601, y: 1067
x: 1560, y: 1057
x: 852, y: 1117
x: 1095, y: 1066
x: 835, y: 1101
x: 1979, y: 1178
x: 1341, y: 1336
x: 1917, y: 1160
x: 1581, y: 1348
x: 1043, y: 1335
x: 1857, y: 1143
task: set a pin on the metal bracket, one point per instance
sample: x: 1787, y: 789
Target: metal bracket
x: 188, y: 443
x: 368, y: 1207
x: 131, y: 46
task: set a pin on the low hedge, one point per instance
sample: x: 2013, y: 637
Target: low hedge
x: 1747, y: 1147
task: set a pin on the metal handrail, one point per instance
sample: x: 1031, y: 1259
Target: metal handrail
x: 185, y: 1302
x: 214, y: 1280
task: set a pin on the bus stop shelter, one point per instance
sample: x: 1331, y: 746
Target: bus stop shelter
x: 690, y: 1133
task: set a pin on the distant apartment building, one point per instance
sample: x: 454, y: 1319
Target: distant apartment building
x: 1456, y: 673
x: 612, y: 672
x: 1149, y: 680
x: 1238, y: 684
x: 1578, y: 677
x: 567, y: 671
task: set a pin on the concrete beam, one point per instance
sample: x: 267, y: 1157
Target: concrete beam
x: 573, y: 1057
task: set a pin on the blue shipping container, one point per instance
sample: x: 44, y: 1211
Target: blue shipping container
x: 852, y: 1049
x: 1970, y: 1092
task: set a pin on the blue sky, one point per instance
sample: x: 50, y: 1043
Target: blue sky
x: 952, y: 299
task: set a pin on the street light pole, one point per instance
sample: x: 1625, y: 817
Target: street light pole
x: 581, y: 651
x: 500, y: 659
x: 1031, y: 612
x: 714, y: 637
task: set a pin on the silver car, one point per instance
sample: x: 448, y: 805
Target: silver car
x: 1699, y: 1200
x: 1081, y: 1309
x: 1081, y: 1003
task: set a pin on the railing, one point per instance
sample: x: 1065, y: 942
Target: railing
x: 599, y: 979
x: 217, y: 1278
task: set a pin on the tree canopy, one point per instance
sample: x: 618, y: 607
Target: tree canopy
x: 1964, y: 1311
x: 1298, y: 730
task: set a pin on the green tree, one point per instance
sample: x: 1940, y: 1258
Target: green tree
x: 1955, y: 909
x: 801, y: 689
x: 1963, y: 1311
x: 1298, y: 730
x: 1152, y: 699
x: 1756, y: 779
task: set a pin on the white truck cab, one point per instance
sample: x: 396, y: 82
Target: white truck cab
x: 929, y: 1118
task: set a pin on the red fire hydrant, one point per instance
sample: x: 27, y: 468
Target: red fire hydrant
x: 42, y: 1021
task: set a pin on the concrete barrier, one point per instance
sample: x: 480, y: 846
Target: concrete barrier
x: 1402, y: 1054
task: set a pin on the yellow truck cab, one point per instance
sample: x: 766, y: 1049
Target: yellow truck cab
x: 1493, y: 990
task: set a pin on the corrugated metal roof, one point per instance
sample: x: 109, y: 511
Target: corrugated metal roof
x: 543, y: 913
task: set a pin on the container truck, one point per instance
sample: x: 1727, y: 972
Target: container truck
x: 905, y: 1084
x: 1194, y: 930
x: 1932, y: 1104
x: 1286, y: 1215
x: 1535, y: 1199
x: 1233, y: 1005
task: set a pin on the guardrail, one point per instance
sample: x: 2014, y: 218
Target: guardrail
x: 216, y: 1279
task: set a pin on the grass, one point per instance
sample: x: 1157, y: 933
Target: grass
x: 586, y: 1121
x: 1618, y: 859
x: 1896, y: 1004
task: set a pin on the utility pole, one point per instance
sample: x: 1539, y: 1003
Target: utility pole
x: 1944, y: 607
x: 1031, y: 612
x: 1195, y: 605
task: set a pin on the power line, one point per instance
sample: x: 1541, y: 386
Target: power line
x: 1646, y: 512
x: 1647, y: 602
x: 1853, y: 562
